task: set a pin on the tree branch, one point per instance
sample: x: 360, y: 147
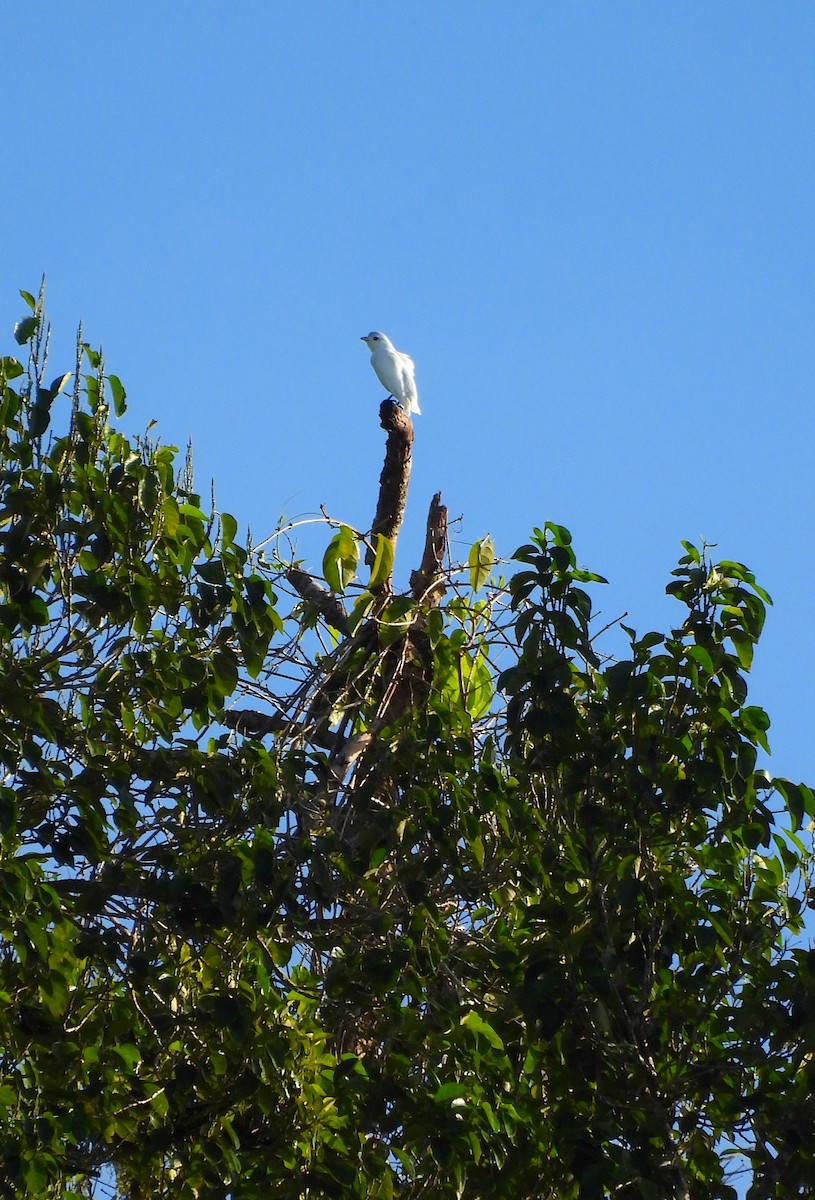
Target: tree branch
x: 427, y: 584
x: 324, y: 601
x: 393, y: 482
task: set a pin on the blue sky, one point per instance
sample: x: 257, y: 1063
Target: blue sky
x: 590, y: 224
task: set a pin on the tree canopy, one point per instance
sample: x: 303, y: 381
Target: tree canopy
x: 314, y: 888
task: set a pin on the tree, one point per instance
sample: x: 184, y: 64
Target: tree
x: 459, y: 906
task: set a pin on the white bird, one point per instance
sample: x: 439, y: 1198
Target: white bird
x: 394, y: 370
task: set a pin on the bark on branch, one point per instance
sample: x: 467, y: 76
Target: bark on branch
x: 324, y: 601
x: 393, y: 482
x: 427, y: 584
x: 251, y: 723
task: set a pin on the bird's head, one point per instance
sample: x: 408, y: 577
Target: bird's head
x: 375, y: 339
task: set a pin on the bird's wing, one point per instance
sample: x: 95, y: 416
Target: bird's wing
x: 387, y: 368
x: 408, y: 372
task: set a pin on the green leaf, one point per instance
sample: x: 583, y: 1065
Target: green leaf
x: 55, y: 994
x: 395, y: 620
x: 59, y: 383
x: 40, y: 413
x: 701, y: 656
x: 229, y: 527
x: 148, y: 492
x: 362, y: 606
x: 24, y: 330
x: 582, y: 576
x: 36, y: 1173
x: 129, y: 1054
x: 477, y: 1024
x: 29, y: 299
x: 744, y: 646
x: 477, y: 683
x: 382, y: 568
x: 226, y: 670
x: 560, y: 534
x: 756, y: 723
x: 192, y: 513
x: 118, y: 393
x: 480, y: 560
x: 92, y: 389
x: 10, y: 368
x: 450, y: 1091
x: 340, y: 559
x: 171, y: 516
x: 406, y: 1161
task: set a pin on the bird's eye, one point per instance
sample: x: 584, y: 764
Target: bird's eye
x: 376, y: 339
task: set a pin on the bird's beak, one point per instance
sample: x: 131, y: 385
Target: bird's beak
x: 363, y: 339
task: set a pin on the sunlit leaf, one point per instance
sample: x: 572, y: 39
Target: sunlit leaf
x: 24, y: 330
x: 383, y: 562
x: 229, y: 527
x: 118, y: 393
x: 477, y: 1024
x: 128, y: 1053
x: 59, y: 383
x: 340, y: 559
x: 481, y: 560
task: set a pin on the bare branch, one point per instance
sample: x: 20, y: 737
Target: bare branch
x: 427, y: 583
x: 393, y: 482
x: 324, y: 601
